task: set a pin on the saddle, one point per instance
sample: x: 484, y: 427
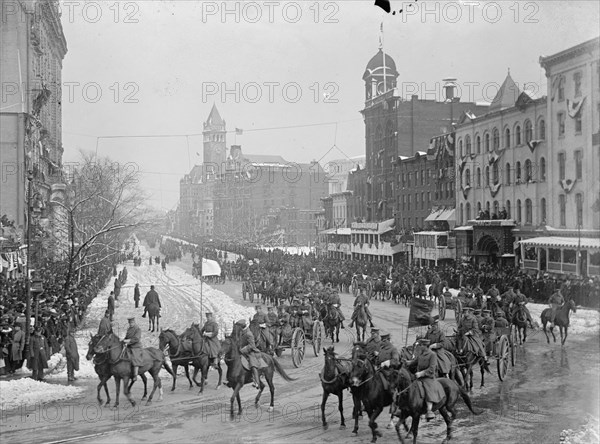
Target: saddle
x: 246, y: 365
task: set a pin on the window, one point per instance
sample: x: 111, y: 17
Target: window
x: 496, y: 137
x: 428, y: 176
x: 578, y: 164
x: 577, y: 83
x: 561, y: 124
x: 528, y: 171
x: 478, y: 208
x: 478, y: 145
x: 508, y: 209
x: 542, y: 169
x: 408, y: 205
x: 403, y: 180
x: 496, y: 208
x: 578, y: 123
x: 518, y: 173
x: 403, y: 202
x: 422, y: 201
x: 409, y: 174
x: 508, y: 174
x: 467, y: 177
x: 518, y: 135
x: 487, y: 207
x: 487, y: 177
x: 561, y: 166
x: 428, y: 196
x: 478, y: 177
x: 461, y: 214
x: 460, y: 148
x: 562, y: 205
x: 506, y: 138
x: 468, y: 144
x: 579, y: 203
x: 422, y: 177
x: 528, y: 212
x: 561, y: 89
x: 542, y: 129
x: 528, y: 131
x: 468, y: 211
x: 518, y: 208
x: 543, y: 211
x: 487, y: 143
x: 495, y: 173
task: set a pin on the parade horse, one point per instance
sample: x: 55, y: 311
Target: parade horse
x: 102, y: 368
x: 193, y: 343
x: 519, y: 320
x: 153, y: 315
x: 360, y: 321
x: 331, y: 321
x: 238, y: 375
x: 561, y: 320
x: 120, y: 367
x: 335, y: 378
x: 410, y: 402
x: 467, y: 358
x: 169, y: 341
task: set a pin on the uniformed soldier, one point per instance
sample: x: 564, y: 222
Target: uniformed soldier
x: 132, y: 340
x: 487, y: 326
x: 425, y: 365
x: 469, y: 330
x: 500, y: 321
x: 306, y: 314
x: 373, y: 345
x: 477, y: 315
x: 555, y: 301
x: 150, y: 298
x: 521, y: 300
x: 211, y: 344
x: 250, y: 351
x: 388, y: 358
x: 105, y: 326
x: 334, y: 300
x: 507, y: 298
x: 260, y: 319
x: 434, y: 334
x: 361, y: 300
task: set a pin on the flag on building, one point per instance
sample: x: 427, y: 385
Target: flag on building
x: 420, y: 312
x: 239, y: 131
x: 210, y: 268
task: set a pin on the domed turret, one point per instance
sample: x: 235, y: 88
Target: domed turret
x: 375, y: 73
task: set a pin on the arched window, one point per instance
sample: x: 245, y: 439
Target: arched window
x: 496, y: 138
x: 467, y: 177
x: 528, y: 171
x: 528, y: 212
x: 518, y: 135
x: 478, y: 177
x: 495, y: 173
x: 543, y: 211
x: 478, y: 208
x: 507, y: 138
x: 487, y: 206
x: 518, y: 208
x: 528, y: 131
x: 468, y: 214
x: 542, y: 129
x: 461, y: 214
x: 508, y: 210
x: 478, y: 143
x: 542, y: 169
x: 468, y: 144
x: 487, y: 176
x: 496, y: 208
x: 460, y: 148
x: 518, y: 172
x: 487, y: 143
x: 508, y: 174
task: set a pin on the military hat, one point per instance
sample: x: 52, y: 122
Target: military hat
x: 477, y: 311
x: 423, y: 341
x: 374, y: 330
x: 384, y: 335
x: 131, y: 318
x: 258, y: 306
x: 486, y: 311
x: 500, y: 314
x: 434, y: 320
x: 467, y: 309
x: 208, y: 313
x: 241, y: 323
x: 270, y: 307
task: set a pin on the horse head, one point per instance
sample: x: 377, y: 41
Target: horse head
x: 91, y: 346
x: 571, y: 305
x: 165, y: 337
x: 106, y: 343
x: 362, y: 371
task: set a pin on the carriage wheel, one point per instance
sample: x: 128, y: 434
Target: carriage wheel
x: 298, y: 346
x: 458, y: 311
x: 503, y: 357
x: 317, y: 335
x: 513, y: 344
x: 442, y: 307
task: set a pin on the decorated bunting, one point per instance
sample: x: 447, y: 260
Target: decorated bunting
x: 465, y: 191
x: 567, y: 184
x: 573, y: 108
x: 495, y: 188
x: 533, y: 143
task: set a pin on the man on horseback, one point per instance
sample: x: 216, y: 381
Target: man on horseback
x: 555, y: 301
x: 469, y: 330
x: 250, y: 351
x: 306, y: 314
x: 132, y: 340
x: 434, y: 334
x: 151, y: 298
x: 388, y: 358
x: 361, y: 301
x: 260, y: 319
x: 519, y: 301
x: 373, y: 345
x: 336, y: 303
x: 425, y: 365
x: 105, y: 325
x: 211, y: 344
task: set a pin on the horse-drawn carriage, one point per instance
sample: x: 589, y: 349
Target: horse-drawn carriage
x: 295, y: 338
x: 451, y: 303
x: 248, y: 290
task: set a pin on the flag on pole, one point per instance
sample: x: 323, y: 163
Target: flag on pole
x: 210, y: 268
x: 420, y: 312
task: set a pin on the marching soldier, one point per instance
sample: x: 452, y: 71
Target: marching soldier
x: 111, y: 305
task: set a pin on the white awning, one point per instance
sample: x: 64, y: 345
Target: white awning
x: 464, y: 228
x: 441, y: 215
x: 563, y: 242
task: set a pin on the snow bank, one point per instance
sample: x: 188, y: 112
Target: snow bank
x: 588, y: 433
x: 26, y: 391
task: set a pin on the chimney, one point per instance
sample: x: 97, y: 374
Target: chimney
x: 450, y: 89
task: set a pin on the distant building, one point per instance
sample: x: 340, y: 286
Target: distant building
x: 338, y: 171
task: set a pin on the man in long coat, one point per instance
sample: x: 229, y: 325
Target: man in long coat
x: 136, y: 295
x: 105, y: 326
x: 361, y: 300
x: 111, y: 305
x: 211, y: 345
x: 151, y: 298
x: 17, y: 346
x: 38, y: 354
x: 133, y: 341
x: 426, y: 368
x: 373, y: 345
x: 388, y: 357
x: 250, y: 351
x: 469, y: 330
x: 72, y: 354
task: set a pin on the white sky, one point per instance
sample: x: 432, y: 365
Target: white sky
x: 168, y: 54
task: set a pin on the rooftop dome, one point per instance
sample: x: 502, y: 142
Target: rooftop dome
x: 375, y: 66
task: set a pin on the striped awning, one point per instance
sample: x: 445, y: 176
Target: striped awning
x: 563, y: 242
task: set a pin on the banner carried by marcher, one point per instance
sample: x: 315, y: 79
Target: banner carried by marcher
x: 210, y: 268
x: 420, y: 312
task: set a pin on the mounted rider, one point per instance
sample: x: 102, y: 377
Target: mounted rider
x: 361, y: 301
x: 469, y: 330
x: 260, y: 319
x: 437, y: 343
x: 555, y: 301
x: 487, y: 326
x: 305, y: 312
x: 388, y: 359
x: 250, y: 351
x: 211, y: 345
x: 373, y: 345
x: 519, y: 301
x: 425, y: 365
x: 333, y: 299
x: 105, y: 326
x: 151, y: 298
x: 133, y: 344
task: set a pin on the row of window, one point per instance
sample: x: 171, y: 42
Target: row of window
x: 528, y: 173
x: 508, y: 138
x: 466, y: 215
x: 561, y: 118
x: 577, y: 81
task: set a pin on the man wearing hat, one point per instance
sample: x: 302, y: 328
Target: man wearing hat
x: 38, y: 354
x: 250, y: 351
x: 105, y: 325
x: 373, y: 345
x: 555, y: 301
x: 388, y: 358
x: 477, y: 315
x: 361, y: 301
x: 336, y: 303
x: 132, y: 340
x: 434, y: 334
x: 469, y: 331
x: 507, y: 298
x: 521, y: 300
x: 17, y: 346
x: 272, y: 323
x: 487, y: 325
x: 71, y: 353
x: 151, y: 298
x: 295, y: 313
x: 263, y: 335
x: 500, y: 321
x: 111, y: 305
x: 425, y: 368
x: 306, y: 314
x: 211, y: 345
x: 136, y: 295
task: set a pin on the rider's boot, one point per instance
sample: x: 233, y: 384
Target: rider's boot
x: 255, y: 378
x: 135, y: 373
x: 429, y: 415
x: 343, y: 325
x: 145, y: 311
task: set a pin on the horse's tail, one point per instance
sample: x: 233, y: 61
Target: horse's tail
x: 168, y: 368
x: 281, y: 371
x: 465, y: 396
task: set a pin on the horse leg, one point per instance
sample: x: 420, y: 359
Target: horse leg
x: 448, y: 421
x: 149, y: 322
x: 126, y: 387
x: 234, y: 396
x: 341, y: 409
x: 481, y: 368
x: 145, y: 381
x: 525, y: 333
x: 155, y: 385
x: 118, y: 390
x: 102, y: 382
x: 187, y: 375
x: 220, y: 371
x: 415, y: 426
x: 323, y: 402
x: 562, y: 340
x: 175, y: 367
x: 269, y: 379
x: 106, y: 390
x: 545, y: 332
x: 337, y: 334
x: 373, y: 425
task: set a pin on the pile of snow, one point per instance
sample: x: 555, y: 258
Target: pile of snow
x: 26, y: 391
x: 589, y: 432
